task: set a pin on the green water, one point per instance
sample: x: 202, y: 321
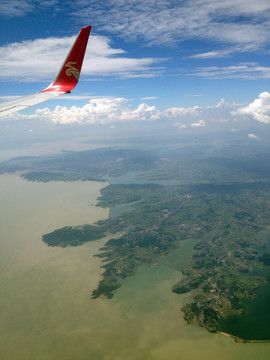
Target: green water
x: 46, y: 308
x: 120, y: 209
x: 255, y: 323
x: 179, y: 258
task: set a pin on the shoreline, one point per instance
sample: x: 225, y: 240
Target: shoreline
x: 240, y: 340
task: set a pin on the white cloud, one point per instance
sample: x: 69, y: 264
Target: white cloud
x: 198, y: 124
x: 36, y: 60
x: 111, y: 110
x: 253, y: 136
x: 149, y: 98
x: 180, y: 125
x: 221, y: 103
x: 194, y: 95
x: 98, y: 111
x: 249, y: 71
x: 212, y: 54
x: 181, y: 111
x: 259, y: 109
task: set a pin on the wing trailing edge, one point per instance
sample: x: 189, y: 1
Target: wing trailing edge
x: 64, y: 83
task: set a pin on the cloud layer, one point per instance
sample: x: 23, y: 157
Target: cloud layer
x: 243, y: 25
x: 99, y: 111
x: 114, y: 110
x: 164, y: 22
x: 107, y: 110
x: 16, y: 8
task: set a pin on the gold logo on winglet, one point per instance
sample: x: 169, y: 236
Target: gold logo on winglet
x: 72, y: 70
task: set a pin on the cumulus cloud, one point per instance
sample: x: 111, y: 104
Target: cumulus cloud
x: 181, y: 111
x: 253, y: 136
x: 259, y: 109
x: 99, y: 111
x: 112, y: 110
x: 25, y: 61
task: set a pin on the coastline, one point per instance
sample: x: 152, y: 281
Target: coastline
x: 240, y: 340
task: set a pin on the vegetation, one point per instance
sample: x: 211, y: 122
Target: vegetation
x: 221, y: 201
x: 73, y: 235
x: 228, y: 247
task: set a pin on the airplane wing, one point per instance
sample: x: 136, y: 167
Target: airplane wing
x: 64, y: 83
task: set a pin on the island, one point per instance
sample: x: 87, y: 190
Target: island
x: 73, y: 235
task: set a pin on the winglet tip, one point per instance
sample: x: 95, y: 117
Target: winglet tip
x: 69, y: 74
x: 86, y: 29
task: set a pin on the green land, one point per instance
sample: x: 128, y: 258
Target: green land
x: 219, y: 203
x: 225, y: 223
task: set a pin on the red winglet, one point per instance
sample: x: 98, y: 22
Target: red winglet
x: 68, y: 76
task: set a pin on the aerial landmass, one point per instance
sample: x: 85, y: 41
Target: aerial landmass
x: 171, y: 200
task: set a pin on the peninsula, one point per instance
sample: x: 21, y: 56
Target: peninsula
x: 225, y: 223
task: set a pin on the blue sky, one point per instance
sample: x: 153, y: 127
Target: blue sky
x: 146, y: 60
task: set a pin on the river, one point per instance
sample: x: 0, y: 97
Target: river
x: 46, y: 308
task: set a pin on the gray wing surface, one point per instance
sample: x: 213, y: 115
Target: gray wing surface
x: 26, y: 102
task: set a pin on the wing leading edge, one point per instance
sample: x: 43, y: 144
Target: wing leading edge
x: 64, y: 83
